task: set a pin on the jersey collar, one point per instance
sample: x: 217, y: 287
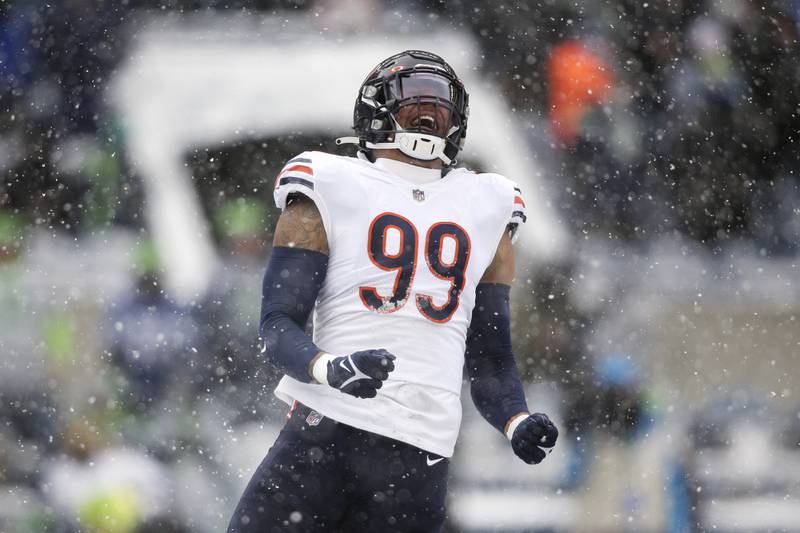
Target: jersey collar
x: 410, y: 173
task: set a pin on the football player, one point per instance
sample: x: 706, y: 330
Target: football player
x: 406, y: 263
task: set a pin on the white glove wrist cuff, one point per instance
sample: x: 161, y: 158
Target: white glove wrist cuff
x: 320, y: 368
x: 517, y: 420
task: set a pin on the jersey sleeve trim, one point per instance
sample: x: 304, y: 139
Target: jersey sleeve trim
x: 300, y: 169
x: 294, y: 179
x: 518, y: 214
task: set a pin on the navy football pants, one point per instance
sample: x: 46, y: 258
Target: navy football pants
x: 333, y: 477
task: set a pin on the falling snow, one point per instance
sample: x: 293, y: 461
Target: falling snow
x: 655, y: 308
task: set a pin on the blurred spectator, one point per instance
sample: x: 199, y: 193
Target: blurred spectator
x: 27, y: 412
x: 578, y: 79
x: 623, y: 411
x: 16, y: 56
x: 153, y: 341
x: 12, y: 229
x: 79, y: 48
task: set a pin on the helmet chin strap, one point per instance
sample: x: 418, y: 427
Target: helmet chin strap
x: 417, y: 145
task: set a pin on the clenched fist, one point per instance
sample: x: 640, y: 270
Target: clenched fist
x: 360, y: 374
x: 534, y: 438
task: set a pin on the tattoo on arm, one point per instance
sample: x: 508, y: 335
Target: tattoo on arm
x: 300, y: 226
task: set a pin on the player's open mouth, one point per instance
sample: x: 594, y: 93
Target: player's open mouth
x: 425, y: 124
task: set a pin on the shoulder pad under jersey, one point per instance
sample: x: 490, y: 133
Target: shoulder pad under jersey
x: 509, y: 200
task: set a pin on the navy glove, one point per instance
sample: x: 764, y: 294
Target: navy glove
x: 360, y: 374
x: 534, y: 438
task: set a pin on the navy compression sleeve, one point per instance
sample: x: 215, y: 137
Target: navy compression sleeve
x: 292, y: 282
x: 494, y: 380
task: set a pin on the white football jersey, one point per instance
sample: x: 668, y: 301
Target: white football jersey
x: 405, y: 259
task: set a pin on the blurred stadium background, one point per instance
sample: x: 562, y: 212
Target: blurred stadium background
x: 656, y: 306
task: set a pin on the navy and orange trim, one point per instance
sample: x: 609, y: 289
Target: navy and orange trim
x: 518, y: 201
x: 292, y: 173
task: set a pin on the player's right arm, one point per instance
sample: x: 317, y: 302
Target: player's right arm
x: 295, y: 273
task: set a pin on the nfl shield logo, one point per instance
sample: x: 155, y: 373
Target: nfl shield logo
x: 314, y: 418
x: 419, y: 195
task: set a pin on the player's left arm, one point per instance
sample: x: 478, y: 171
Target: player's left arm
x: 495, y: 385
